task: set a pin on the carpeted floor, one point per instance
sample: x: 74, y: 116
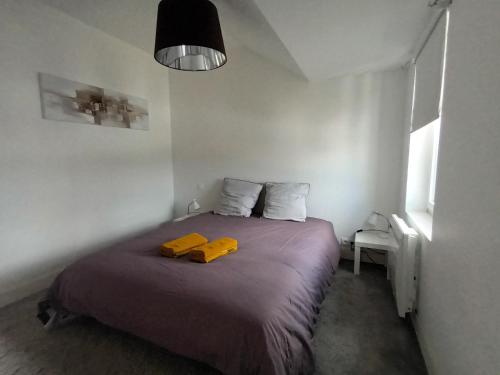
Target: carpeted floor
x: 359, y: 333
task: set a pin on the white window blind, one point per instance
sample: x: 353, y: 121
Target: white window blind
x: 428, y: 78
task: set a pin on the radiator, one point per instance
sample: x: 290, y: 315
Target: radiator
x: 401, y: 265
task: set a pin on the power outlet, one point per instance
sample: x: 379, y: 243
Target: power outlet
x: 346, y: 243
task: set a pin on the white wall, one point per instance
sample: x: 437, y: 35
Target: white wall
x: 252, y: 119
x: 459, y: 307
x: 67, y: 188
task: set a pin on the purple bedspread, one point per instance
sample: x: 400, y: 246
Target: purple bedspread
x: 251, y: 312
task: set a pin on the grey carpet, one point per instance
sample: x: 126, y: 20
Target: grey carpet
x: 359, y: 333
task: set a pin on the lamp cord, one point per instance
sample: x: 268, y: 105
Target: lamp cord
x: 372, y: 230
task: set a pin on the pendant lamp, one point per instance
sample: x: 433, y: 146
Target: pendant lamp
x: 188, y: 35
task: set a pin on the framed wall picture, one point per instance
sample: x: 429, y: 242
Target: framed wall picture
x: 66, y: 100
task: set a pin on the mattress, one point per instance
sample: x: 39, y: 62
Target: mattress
x: 251, y: 312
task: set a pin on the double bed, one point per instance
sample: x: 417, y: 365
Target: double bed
x: 250, y: 312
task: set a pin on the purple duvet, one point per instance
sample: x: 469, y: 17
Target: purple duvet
x: 251, y: 312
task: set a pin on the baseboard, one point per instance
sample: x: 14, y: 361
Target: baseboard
x: 28, y: 288
x: 424, y: 348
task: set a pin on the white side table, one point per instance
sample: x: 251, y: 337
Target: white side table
x: 373, y: 240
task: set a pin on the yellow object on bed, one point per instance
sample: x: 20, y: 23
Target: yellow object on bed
x: 213, y: 250
x: 182, y: 245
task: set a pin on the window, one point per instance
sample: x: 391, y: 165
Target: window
x: 432, y: 183
x: 427, y: 99
x: 421, y: 178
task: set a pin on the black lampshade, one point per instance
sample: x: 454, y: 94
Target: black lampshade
x: 188, y: 35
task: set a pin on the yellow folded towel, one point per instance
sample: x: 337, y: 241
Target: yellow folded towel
x: 213, y: 250
x: 182, y: 245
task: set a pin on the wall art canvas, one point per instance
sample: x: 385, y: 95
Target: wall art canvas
x: 66, y: 100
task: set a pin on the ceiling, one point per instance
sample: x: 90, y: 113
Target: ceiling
x: 315, y: 39
x: 335, y: 37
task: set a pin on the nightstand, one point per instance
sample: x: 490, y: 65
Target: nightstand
x: 373, y: 240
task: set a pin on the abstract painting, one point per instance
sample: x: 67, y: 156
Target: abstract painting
x: 65, y: 100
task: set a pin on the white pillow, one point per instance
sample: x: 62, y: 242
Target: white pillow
x: 237, y: 197
x: 286, y: 201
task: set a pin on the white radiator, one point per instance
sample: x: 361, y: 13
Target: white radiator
x: 401, y: 265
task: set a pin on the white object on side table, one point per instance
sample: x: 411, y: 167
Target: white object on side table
x: 373, y: 240
x: 177, y: 219
x: 195, y: 204
x: 192, y: 210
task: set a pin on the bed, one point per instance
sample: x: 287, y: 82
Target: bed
x: 250, y: 312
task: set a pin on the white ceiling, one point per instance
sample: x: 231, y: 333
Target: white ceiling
x: 315, y: 39
x: 335, y: 37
